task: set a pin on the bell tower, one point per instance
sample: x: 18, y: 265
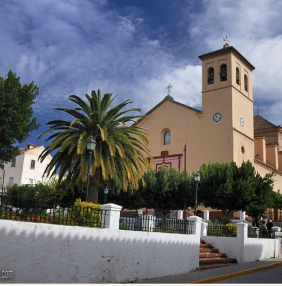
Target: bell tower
x: 227, y: 106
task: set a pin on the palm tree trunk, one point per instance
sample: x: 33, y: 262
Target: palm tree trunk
x: 94, y: 187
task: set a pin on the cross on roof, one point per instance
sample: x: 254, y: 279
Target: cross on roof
x: 169, y: 87
x: 226, y: 39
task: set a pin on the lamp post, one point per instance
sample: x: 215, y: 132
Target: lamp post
x: 197, y: 178
x: 106, y: 191
x: 90, y: 146
x: 185, y: 212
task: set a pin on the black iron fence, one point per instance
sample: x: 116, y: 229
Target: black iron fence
x: 230, y: 230
x: 31, y: 210
x: 226, y: 230
x: 255, y: 232
x: 138, y: 222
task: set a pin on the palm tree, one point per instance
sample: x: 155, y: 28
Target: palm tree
x: 119, y: 148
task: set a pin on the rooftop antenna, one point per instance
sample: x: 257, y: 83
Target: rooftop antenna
x: 257, y: 110
x: 225, y: 39
x: 169, y: 87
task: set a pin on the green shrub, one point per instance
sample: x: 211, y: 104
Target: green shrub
x: 86, y: 214
x: 217, y: 229
x: 231, y: 229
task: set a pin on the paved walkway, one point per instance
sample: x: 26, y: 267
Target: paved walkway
x: 218, y: 274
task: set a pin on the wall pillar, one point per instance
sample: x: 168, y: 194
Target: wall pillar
x: 242, y: 235
x: 272, y: 155
x: 242, y: 215
x: 110, y: 216
x: 197, y: 225
x: 206, y: 215
x: 204, y: 229
x: 180, y: 214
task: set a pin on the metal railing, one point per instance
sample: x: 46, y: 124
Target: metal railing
x: 231, y: 231
x: 31, y: 210
x: 222, y: 230
x: 137, y: 222
x: 255, y: 232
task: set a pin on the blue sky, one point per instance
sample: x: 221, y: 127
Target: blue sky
x: 135, y: 48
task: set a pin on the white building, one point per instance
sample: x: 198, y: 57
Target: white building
x: 25, y: 169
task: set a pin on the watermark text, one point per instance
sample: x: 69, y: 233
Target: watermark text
x: 6, y: 274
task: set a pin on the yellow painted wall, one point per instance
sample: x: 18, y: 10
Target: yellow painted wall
x: 208, y: 141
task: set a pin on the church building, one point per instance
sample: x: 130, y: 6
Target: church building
x: 224, y: 130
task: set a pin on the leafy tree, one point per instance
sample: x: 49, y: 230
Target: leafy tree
x: 128, y: 200
x: 244, y: 187
x: 16, y: 114
x: 119, y: 148
x: 74, y: 190
x: 162, y: 190
x: 263, y: 196
x: 277, y: 200
x: 216, y: 186
x: 187, y: 189
x: 231, y: 188
x: 38, y: 196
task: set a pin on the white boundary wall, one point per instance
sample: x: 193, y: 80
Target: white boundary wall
x: 47, y: 253
x: 245, y: 249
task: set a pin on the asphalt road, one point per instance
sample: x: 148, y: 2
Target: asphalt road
x: 273, y: 275
x: 263, y: 271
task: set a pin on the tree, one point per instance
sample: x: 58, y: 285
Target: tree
x: 163, y: 190
x: 38, y: 196
x: 74, y: 190
x: 16, y: 114
x: 263, y: 196
x: 231, y: 188
x: 130, y: 199
x: 119, y: 148
x: 216, y: 186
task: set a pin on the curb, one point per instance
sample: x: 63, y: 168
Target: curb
x: 236, y: 274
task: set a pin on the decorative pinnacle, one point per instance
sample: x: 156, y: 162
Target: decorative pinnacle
x: 226, y: 40
x: 169, y: 87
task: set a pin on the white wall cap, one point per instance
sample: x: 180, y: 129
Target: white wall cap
x: 195, y: 218
x: 111, y: 207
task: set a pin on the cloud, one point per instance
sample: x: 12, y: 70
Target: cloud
x: 254, y: 29
x: 71, y: 47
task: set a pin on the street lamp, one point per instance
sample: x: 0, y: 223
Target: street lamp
x: 197, y: 178
x: 106, y: 191
x: 90, y: 146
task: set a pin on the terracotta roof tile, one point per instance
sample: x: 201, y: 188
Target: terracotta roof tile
x: 261, y: 123
x: 30, y: 146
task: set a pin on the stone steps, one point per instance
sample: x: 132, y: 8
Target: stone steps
x: 210, y: 257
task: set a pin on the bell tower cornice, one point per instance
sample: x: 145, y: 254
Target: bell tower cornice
x: 224, y: 51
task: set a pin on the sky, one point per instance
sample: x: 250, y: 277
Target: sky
x: 135, y: 48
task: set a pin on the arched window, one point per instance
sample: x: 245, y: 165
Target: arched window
x: 237, y: 76
x: 210, y: 75
x: 246, y: 83
x: 167, y: 138
x: 223, y: 72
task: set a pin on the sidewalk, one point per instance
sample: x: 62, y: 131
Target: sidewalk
x: 217, y: 274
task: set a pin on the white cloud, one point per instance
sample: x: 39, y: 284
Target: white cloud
x: 254, y: 29
x: 71, y: 47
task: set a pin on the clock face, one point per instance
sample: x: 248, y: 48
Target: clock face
x: 242, y: 121
x: 217, y: 117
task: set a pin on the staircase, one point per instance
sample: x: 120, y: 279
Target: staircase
x: 211, y: 258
